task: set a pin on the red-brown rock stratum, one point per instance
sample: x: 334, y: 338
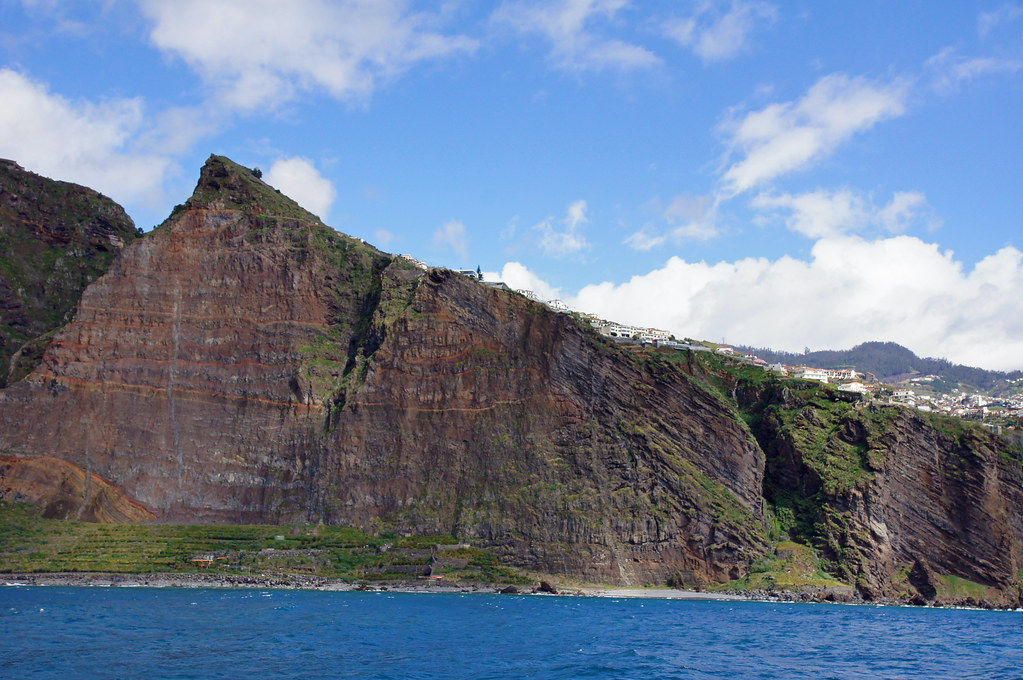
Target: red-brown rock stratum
x: 245, y: 363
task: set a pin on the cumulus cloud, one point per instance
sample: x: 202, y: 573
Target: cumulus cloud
x: 572, y: 27
x: 91, y: 143
x: 562, y: 238
x: 299, y: 179
x: 717, y: 31
x: 950, y: 69
x: 519, y: 277
x: 788, y: 136
x: 848, y: 291
x: 451, y: 236
x: 823, y: 213
x: 272, y: 50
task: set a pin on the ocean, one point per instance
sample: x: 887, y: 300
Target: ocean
x: 64, y: 633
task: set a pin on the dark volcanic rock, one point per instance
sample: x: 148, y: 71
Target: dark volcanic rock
x: 245, y: 363
x: 55, y: 239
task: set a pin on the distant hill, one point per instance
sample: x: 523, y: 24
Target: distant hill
x: 891, y: 361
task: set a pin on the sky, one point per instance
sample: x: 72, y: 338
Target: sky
x: 778, y: 174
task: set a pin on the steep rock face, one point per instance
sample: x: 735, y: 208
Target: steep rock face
x: 245, y: 363
x: 55, y: 239
x: 486, y: 415
x: 897, y: 500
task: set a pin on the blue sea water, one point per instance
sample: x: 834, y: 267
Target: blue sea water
x: 66, y: 633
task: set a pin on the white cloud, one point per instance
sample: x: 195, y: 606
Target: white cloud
x: 451, y: 235
x: 383, y: 238
x: 299, y: 179
x: 950, y: 69
x: 1007, y: 13
x: 568, y: 239
x: 690, y: 218
x: 905, y: 209
x: 519, y: 277
x: 823, y: 213
x: 850, y: 290
x: 784, y: 137
x: 718, y: 31
x: 571, y: 28
x: 258, y: 53
x: 95, y: 144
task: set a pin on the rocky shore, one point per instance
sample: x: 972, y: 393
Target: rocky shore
x: 834, y: 595
x: 309, y: 582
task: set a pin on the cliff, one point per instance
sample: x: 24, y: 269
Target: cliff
x: 244, y: 363
x: 901, y: 504
x: 55, y: 239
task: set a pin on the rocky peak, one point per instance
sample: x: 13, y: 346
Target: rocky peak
x: 226, y: 185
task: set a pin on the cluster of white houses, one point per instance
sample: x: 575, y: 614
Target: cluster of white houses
x: 623, y: 331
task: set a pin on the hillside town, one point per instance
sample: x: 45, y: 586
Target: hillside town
x: 992, y: 412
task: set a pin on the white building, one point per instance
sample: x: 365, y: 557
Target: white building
x: 808, y: 373
x: 612, y: 329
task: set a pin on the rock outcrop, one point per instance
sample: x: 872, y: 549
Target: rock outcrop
x: 245, y: 363
x: 64, y: 490
x: 55, y: 239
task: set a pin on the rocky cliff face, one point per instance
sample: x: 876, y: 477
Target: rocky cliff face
x: 55, y: 239
x: 245, y: 363
x: 901, y: 503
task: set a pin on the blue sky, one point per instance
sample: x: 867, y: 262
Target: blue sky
x: 791, y: 174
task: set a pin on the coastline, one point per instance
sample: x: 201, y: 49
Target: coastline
x: 307, y: 582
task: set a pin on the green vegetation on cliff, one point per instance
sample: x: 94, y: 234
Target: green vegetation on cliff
x: 225, y: 185
x: 791, y: 566
x: 824, y: 450
x: 55, y: 239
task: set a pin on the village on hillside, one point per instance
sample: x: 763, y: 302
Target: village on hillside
x: 995, y: 413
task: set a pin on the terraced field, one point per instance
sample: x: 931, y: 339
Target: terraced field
x: 30, y: 543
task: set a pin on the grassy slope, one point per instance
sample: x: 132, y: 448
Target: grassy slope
x: 792, y: 566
